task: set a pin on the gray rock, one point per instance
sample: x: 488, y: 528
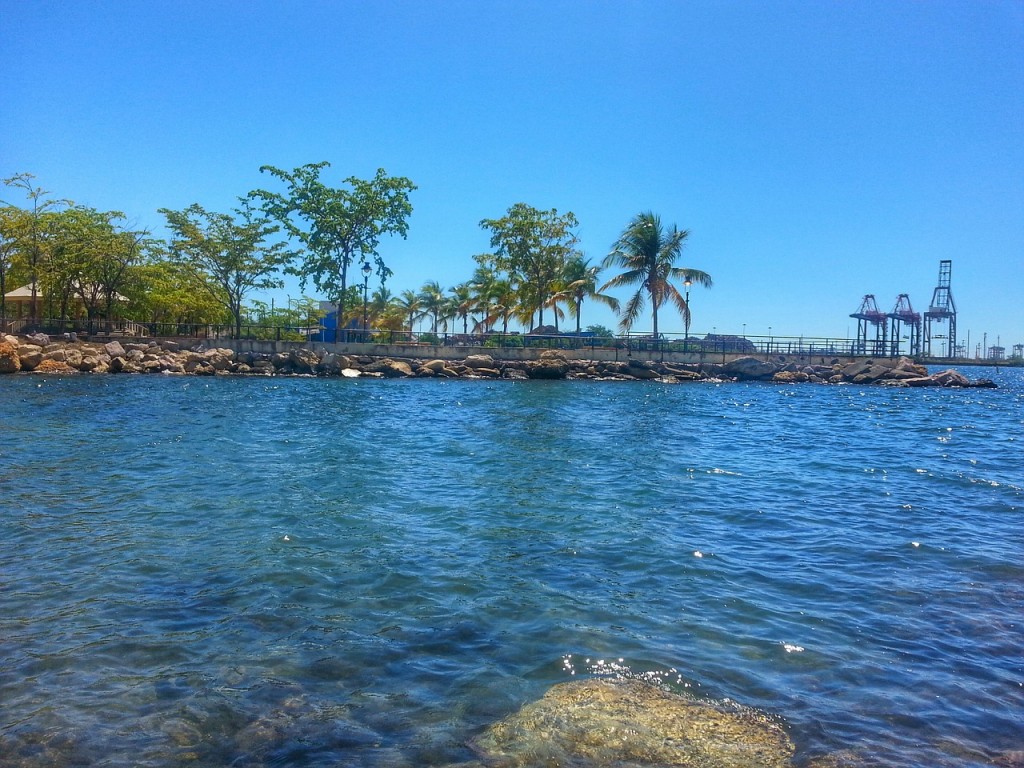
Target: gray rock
x: 950, y: 378
x: 552, y: 364
x: 114, y: 349
x: 749, y: 368
x: 641, y: 370
x: 390, y: 369
x: 874, y: 373
x: 852, y: 370
x: 333, y: 363
x: 479, y: 361
x: 31, y: 355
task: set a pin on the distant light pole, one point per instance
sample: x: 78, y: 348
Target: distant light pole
x: 687, y: 283
x: 367, y: 269
x: 769, y: 339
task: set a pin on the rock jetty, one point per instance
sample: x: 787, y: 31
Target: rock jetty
x: 40, y: 354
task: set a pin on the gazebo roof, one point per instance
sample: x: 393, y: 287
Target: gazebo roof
x: 25, y: 292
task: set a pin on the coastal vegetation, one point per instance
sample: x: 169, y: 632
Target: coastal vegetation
x: 80, y: 264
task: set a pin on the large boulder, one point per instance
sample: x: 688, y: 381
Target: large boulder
x: 950, y: 378
x: 641, y: 370
x: 552, y: 364
x: 30, y: 355
x: 53, y: 366
x: 479, y: 361
x: 749, y: 368
x: 114, y: 349
x: 905, y: 364
x: 390, y: 369
x: 333, y: 364
x: 631, y: 723
x: 303, y: 360
x: 790, y: 377
x: 852, y: 370
x: 10, y: 362
x: 875, y: 372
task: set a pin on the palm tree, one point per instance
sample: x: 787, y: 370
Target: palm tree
x: 409, y: 303
x: 461, y: 303
x: 482, y: 284
x: 647, y: 253
x: 432, y: 302
x: 380, y: 300
x: 506, y: 304
x: 579, y: 283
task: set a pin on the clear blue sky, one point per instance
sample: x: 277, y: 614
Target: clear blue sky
x: 816, y: 151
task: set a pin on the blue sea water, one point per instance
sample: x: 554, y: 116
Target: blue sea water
x: 321, y: 572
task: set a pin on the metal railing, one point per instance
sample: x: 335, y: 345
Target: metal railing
x: 699, y: 345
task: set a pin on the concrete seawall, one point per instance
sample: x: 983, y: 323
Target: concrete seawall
x: 514, y: 354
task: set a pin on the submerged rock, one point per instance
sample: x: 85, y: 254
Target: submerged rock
x: 592, y: 723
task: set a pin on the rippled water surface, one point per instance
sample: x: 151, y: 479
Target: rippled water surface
x: 308, y: 572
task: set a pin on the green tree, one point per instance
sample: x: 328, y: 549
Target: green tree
x: 90, y: 255
x: 505, y: 304
x: 30, y: 233
x: 647, y: 253
x: 579, y: 282
x: 482, y: 286
x: 602, y: 333
x: 433, y: 303
x: 229, y: 253
x: 11, y: 224
x: 111, y: 268
x: 74, y: 238
x: 336, y: 225
x: 532, y: 246
x: 409, y: 303
x: 163, y: 290
x: 461, y: 303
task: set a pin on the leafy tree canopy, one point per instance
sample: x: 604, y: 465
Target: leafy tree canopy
x: 228, y: 252
x: 337, y: 224
x: 532, y: 246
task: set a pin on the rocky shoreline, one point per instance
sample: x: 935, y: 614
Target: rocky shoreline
x: 40, y: 354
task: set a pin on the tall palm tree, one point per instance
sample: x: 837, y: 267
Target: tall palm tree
x: 432, y: 302
x: 461, y: 303
x: 505, y: 306
x: 409, y: 302
x: 579, y: 282
x: 380, y: 300
x: 648, y: 252
x: 482, y: 284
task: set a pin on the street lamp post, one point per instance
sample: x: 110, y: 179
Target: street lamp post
x: 367, y: 269
x: 769, y: 339
x: 686, y: 337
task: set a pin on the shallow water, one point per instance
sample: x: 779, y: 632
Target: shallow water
x: 319, y: 572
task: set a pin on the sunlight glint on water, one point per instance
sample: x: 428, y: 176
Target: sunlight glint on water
x: 320, y: 572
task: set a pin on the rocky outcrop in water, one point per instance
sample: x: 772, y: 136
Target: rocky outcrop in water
x: 595, y: 723
x: 41, y: 355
